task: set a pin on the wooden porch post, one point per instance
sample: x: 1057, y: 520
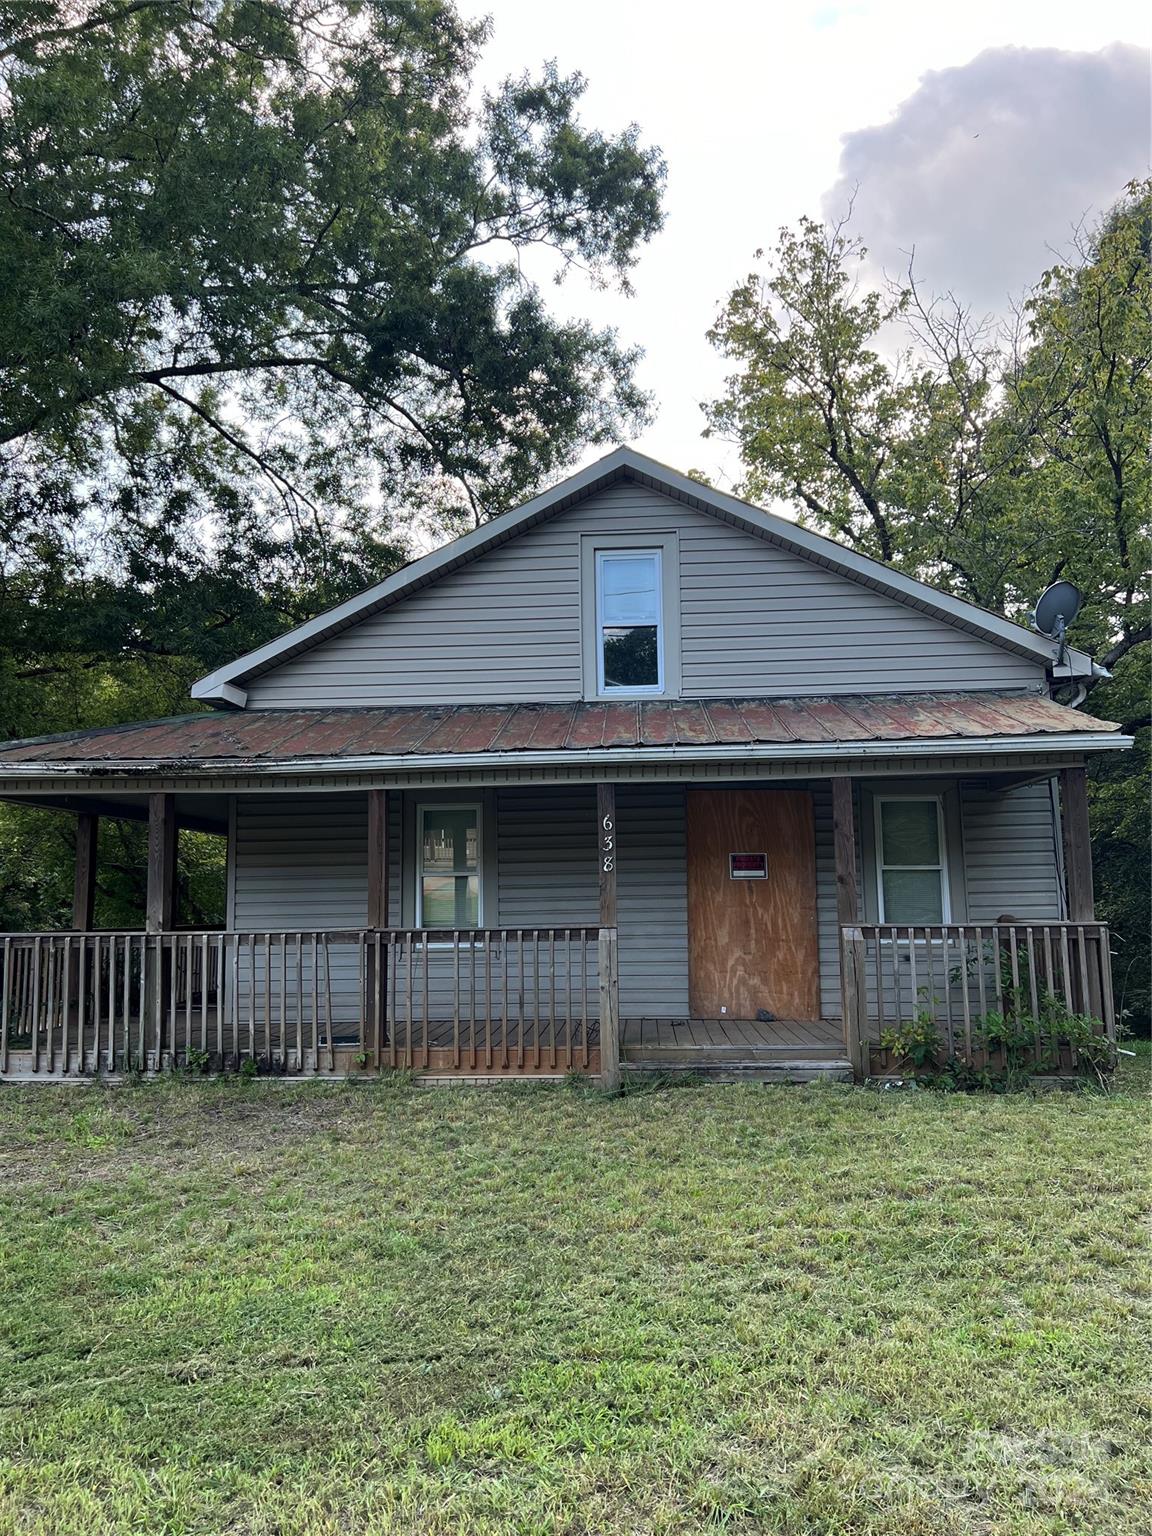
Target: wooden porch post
x: 844, y: 844
x: 853, y: 993
x: 159, y: 915
x: 161, y: 902
x: 608, y: 946
x: 84, y: 884
x: 1077, y: 845
x: 83, y: 908
x: 377, y: 858
x: 376, y: 969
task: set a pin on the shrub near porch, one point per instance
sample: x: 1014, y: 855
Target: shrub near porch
x: 254, y: 1308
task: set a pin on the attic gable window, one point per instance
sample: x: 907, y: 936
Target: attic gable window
x: 629, y: 621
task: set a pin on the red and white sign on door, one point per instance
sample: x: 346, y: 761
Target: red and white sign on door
x: 748, y: 866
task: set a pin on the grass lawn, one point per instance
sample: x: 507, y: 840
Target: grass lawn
x: 310, y: 1311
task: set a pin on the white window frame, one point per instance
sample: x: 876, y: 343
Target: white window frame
x: 645, y: 690
x: 418, y: 856
x: 878, y: 801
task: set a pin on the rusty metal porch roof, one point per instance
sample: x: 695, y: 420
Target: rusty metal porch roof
x: 262, y: 737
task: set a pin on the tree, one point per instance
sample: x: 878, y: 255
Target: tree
x: 1082, y: 381
x: 988, y: 460
x: 266, y: 219
x: 1085, y: 378
x: 262, y: 308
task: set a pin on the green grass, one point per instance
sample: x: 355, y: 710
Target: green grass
x: 305, y: 1311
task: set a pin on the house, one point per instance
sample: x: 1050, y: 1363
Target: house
x: 637, y: 775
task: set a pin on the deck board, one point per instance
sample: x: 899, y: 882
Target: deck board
x: 542, y: 1045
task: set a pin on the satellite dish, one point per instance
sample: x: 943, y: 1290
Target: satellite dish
x: 1057, y: 608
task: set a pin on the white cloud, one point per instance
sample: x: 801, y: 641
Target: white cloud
x: 986, y: 166
x: 751, y: 101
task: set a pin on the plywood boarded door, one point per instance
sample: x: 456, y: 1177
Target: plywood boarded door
x: 752, y: 943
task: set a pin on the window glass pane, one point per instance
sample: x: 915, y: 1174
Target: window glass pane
x: 451, y: 841
x: 451, y: 901
x: 909, y: 832
x: 450, y: 867
x: 913, y: 896
x: 629, y: 589
x: 631, y: 658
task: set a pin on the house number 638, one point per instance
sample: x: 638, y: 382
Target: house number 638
x: 607, y: 845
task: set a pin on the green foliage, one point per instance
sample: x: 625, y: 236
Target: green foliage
x: 915, y: 1042
x: 1009, y: 1048
x: 36, y: 866
x: 261, y: 313
x: 283, y: 232
x: 989, y: 463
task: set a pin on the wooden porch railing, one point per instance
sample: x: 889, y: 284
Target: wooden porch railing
x: 961, y: 973
x: 503, y: 1000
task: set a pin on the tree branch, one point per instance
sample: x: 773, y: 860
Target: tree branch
x: 283, y: 486
x: 91, y: 24
x: 1125, y: 644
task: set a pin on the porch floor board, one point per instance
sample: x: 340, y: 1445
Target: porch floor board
x: 520, y: 1046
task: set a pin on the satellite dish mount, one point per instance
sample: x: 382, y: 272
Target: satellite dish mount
x: 1057, y: 608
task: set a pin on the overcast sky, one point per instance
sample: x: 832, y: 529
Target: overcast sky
x: 978, y: 132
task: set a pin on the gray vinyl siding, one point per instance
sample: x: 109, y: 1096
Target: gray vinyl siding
x: 504, y: 629
x: 1011, y: 862
x: 300, y: 862
x: 546, y: 856
x: 755, y: 620
x: 652, y: 901
x: 546, y: 842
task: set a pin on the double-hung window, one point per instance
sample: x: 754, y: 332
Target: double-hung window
x: 449, y: 866
x: 911, y: 860
x: 629, y: 621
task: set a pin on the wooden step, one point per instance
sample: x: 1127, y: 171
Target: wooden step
x: 796, y: 1071
x: 701, y: 1054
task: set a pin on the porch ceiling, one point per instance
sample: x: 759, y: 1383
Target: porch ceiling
x: 195, y: 811
x: 232, y: 741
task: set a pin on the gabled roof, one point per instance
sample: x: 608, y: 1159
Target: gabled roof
x: 226, y: 684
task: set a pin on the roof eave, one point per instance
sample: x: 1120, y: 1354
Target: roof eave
x: 792, y: 751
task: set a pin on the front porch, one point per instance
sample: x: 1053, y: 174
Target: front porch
x: 519, y: 1002
x: 512, y: 1003
x: 717, y: 908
